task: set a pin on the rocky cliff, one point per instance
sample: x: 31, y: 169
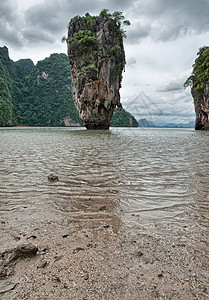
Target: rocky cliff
x: 199, y: 82
x: 201, y: 106
x: 97, y: 59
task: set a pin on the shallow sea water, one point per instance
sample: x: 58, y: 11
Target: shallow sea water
x: 153, y: 181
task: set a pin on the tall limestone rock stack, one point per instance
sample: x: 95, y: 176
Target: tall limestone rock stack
x: 199, y: 82
x: 97, y: 59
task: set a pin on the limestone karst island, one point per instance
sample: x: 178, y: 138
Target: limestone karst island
x: 97, y: 59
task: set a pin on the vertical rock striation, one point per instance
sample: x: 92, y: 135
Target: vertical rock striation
x: 97, y: 59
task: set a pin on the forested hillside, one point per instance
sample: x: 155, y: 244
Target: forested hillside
x: 47, y: 97
x: 40, y: 95
x: 11, y: 85
x: 5, y: 104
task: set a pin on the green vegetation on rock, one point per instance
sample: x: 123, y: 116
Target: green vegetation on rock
x: 122, y: 118
x: 10, y: 77
x: 85, y: 43
x: 47, y: 94
x: 41, y: 94
x: 200, y: 74
x: 116, y: 18
x: 23, y: 67
x: 5, y: 104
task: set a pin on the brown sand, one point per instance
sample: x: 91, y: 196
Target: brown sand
x: 90, y: 261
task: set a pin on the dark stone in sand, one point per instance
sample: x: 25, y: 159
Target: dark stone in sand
x: 102, y: 208
x: 53, y: 178
x: 42, y: 265
x: 86, y: 277
x: 139, y: 253
x: 58, y: 257
x: 77, y: 249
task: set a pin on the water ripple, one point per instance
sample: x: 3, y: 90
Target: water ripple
x: 159, y: 175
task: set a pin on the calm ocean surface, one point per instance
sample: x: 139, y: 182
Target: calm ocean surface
x: 154, y: 180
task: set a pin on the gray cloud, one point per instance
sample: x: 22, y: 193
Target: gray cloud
x: 7, y: 9
x: 131, y: 61
x: 117, y: 4
x: 33, y: 36
x: 143, y: 104
x: 9, y: 23
x: 54, y: 16
x: 170, y: 19
x: 173, y: 85
x: 137, y: 31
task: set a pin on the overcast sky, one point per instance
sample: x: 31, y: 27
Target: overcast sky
x: 161, y: 45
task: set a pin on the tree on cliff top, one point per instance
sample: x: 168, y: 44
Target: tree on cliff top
x: 200, y: 74
x: 118, y: 18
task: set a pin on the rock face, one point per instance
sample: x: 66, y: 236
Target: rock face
x: 201, y: 106
x: 97, y: 59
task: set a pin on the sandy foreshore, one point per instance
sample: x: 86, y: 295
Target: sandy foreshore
x: 91, y: 261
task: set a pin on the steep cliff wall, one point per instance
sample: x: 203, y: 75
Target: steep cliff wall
x: 201, y: 106
x: 199, y: 82
x: 97, y: 59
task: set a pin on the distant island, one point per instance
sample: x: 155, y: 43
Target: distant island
x: 145, y: 123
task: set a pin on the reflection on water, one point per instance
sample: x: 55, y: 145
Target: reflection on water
x: 149, y: 179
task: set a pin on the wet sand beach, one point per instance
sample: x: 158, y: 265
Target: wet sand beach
x: 90, y: 261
